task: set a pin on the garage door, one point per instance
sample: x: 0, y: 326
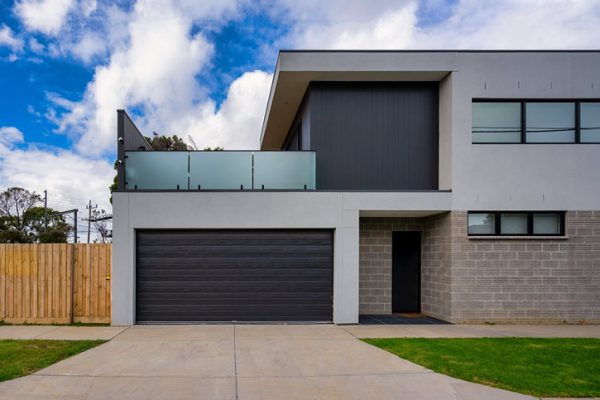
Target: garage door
x: 234, y: 275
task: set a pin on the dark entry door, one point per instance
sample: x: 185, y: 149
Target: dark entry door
x: 406, y: 271
x: 234, y: 275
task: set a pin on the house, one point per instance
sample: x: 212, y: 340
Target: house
x: 464, y: 185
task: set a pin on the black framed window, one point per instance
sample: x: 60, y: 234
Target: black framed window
x: 496, y: 122
x: 482, y: 223
x: 549, y: 122
x: 590, y: 122
x: 516, y: 223
x: 504, y: 121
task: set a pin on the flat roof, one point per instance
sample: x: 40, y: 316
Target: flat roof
x: 295, y: 69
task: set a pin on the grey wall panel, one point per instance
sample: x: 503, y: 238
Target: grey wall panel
x: 375, y: 136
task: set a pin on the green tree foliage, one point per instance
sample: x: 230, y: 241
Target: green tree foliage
x: 22, y: 219
x: 168, y: 143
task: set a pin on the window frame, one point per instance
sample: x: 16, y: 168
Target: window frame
x: 578, y: 120
x: 523, y: 102
x: 498, y: 223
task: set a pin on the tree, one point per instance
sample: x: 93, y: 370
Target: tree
x: 102, y: 226
x: 14, y: 203
x: 22, y: 220
x: 169, y: 143
x: 58, y: 229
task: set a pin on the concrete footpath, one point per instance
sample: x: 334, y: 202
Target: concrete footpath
x: 252, y: 362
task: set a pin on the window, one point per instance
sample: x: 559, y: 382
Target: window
x: 547, y: 224
x: 482, y: 224
x: 550, y: 122
x: 513, y: 223
x: 496, y: 122
x: 590, y: 122
x: 516, y: 223
x: 535, y: 121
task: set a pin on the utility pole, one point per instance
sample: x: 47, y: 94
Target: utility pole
x: 45, y: 210
x: 90, y: 208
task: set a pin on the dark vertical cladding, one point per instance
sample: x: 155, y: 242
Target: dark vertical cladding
x: 375, y: 135
x: 128, y: 138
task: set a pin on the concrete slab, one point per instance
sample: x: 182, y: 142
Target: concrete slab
x: 291, y: 332
x: 450, y: 331
x: 426, y: 331
x: 280, y: 357
x: 104, y: 388
x: 253, y: 362
x: 206, y: 359
x: 409, y: 386
x: 24, y: 331
x: 173, y: 333
x: 82, y: 333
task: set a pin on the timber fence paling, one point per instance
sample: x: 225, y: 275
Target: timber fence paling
x: 55, y: 283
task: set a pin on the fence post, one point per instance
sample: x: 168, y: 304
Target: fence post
x: 71, y: 281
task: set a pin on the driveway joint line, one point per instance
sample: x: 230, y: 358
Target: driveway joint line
x: 120, y: 333
x: 46, y: 332
x: 134, y: 376
x: 235, y: 363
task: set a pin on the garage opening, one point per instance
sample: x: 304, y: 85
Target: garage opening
x: 234, y: 275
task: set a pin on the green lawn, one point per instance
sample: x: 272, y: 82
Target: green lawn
x: 539, y: 367
x: 23, y: 357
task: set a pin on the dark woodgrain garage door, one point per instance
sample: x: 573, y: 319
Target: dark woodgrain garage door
x: 234, y: 275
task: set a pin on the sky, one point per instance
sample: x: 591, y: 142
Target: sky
x: 203, y: 69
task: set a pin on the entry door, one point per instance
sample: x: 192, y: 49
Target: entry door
x: 406, y: 271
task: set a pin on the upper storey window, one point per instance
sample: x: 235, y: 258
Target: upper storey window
x: 497, y: 122
x: 590, y: 122
x: 536, y: 121
x: 550, y: 122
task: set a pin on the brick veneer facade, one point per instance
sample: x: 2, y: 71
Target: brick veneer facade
x: 473, y: 280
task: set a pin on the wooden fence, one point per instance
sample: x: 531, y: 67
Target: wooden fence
x: 55, y: 283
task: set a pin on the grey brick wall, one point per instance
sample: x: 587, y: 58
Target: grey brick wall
x: 375, y: 270
x: 375, y: 265
x: 528, y: 280
x: 498, y: 280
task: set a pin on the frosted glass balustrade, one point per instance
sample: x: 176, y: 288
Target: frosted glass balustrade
x: 156, y: 170
x: 284, y: 170
x: 221, y: 170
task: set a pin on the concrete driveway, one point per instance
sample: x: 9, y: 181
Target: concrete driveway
x: 240, y: 362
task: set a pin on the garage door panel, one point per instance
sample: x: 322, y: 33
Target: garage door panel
x: 192, y: 263
x: 232, y: 251
x: 232, y: 237
x: 273, y: 287
x: 177, y: 274
x: 242, y: 275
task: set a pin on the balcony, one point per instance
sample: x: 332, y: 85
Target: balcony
x: 219, y: 170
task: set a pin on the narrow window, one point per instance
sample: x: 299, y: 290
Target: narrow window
x: 496, y: 122
x: 482, y: 223
x: 513, y: 223
x: 548, y: 224
x: 550, y: 122
x: 590, y: 122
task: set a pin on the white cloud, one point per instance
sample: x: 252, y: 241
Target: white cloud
x: 8, y: 39
x: 473, y: 24
x: 70, y: 179
x: 46, y: 16
x: 236, y: 125
x: 154, y: 70
x: 10, y: 135
x: 35, y: 46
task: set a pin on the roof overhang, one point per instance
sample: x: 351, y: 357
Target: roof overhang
x: 295, y: 70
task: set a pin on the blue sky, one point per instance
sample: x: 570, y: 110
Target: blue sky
x: 202, y: 69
